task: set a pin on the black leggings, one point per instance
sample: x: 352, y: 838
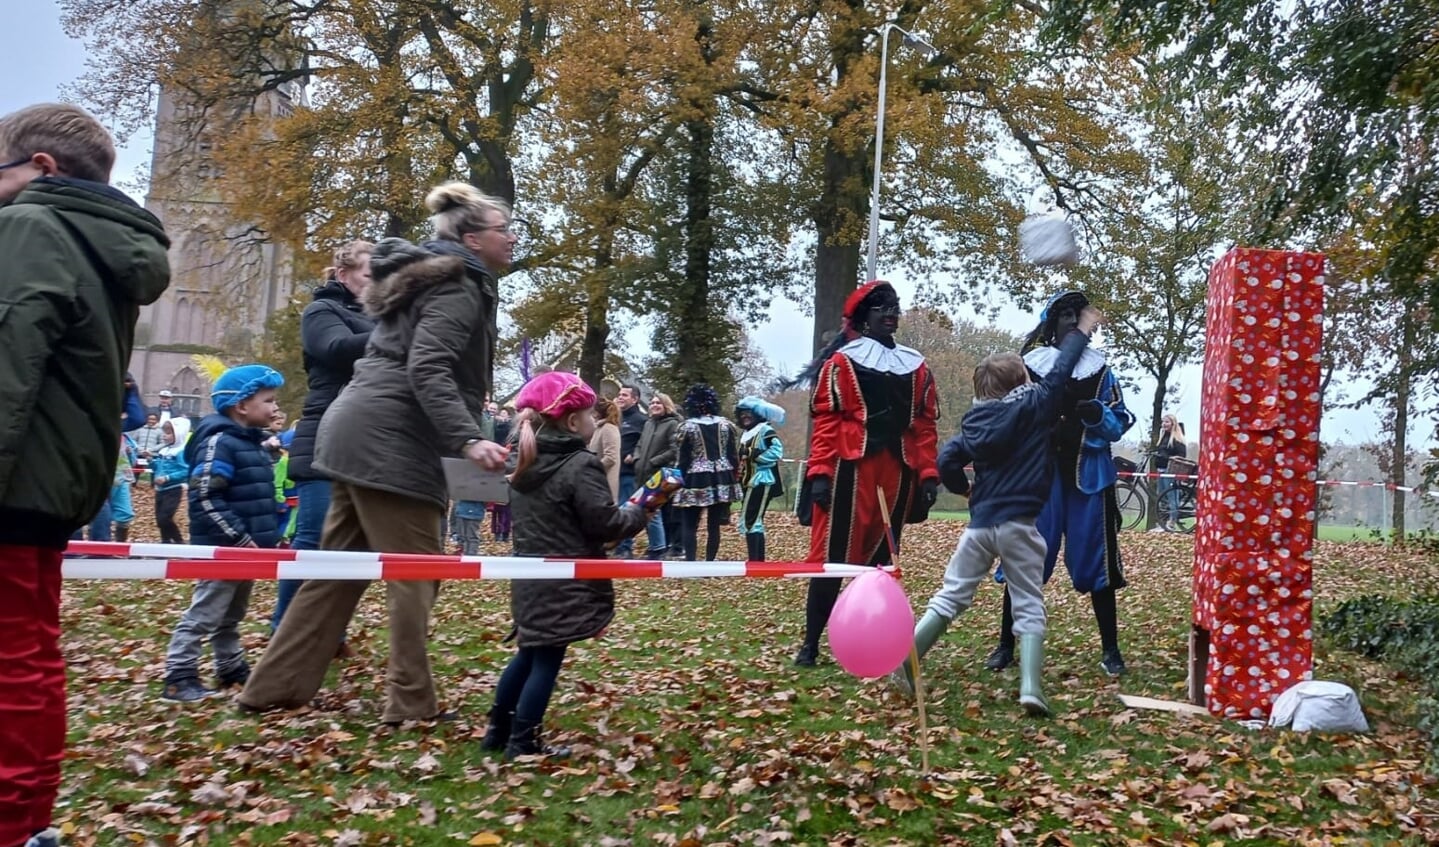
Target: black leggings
x: 167, y: 503
x: 718, y: 517
x: 756, y: 501
x: 528, y: 681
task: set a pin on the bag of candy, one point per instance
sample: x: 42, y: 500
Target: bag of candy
x: 658, y: 489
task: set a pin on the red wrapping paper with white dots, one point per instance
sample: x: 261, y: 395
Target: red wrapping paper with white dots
x: 1258, y: 463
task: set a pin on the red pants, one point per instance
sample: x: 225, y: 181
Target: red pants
x: 32, y: 690
x: 853, y: 529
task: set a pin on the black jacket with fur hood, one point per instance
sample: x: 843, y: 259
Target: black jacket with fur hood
x: 418, y: 394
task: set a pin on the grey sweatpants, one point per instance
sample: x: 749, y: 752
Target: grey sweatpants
x: 1021, y: 547
x: 216, y: 609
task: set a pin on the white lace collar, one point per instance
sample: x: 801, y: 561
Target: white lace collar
x: 867, y: 352
x: 1042, y: 359
x: 754, y: 432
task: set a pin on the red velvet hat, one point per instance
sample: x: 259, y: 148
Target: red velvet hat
x: 852, y: 303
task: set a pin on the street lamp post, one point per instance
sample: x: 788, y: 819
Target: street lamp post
x: 912, y: 40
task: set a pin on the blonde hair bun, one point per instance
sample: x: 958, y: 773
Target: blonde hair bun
x: 453, y: 195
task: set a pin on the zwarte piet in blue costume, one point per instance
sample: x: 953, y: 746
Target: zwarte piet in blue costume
x: 760, y: 454
x: 1082, y: 514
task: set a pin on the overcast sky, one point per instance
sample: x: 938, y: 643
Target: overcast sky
x: 39, y: 60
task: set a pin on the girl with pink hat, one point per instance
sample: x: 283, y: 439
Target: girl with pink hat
x: 563, y: 507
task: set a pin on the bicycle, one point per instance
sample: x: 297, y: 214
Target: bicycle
x: 1131, y: 493
x: 1134, y: 494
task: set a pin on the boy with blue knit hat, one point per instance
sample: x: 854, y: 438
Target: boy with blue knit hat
x: 232, y: 504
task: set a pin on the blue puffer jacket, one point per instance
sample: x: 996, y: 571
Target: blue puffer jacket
x: 232, y: 486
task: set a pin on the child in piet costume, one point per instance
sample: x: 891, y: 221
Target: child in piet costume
x: 874, y: 409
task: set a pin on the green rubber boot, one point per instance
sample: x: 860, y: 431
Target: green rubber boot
x: 926, y: 632
x: 1031, y: 673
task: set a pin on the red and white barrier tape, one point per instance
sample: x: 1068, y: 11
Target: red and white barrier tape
x: 1388, y: 486
x: 187, y: 561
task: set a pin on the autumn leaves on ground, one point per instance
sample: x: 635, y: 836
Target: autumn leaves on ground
x: 691, y: 727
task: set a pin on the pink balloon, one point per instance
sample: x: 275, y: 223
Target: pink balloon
x: 872, y: 626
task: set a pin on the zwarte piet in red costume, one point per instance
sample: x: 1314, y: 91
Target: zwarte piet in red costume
x: 874, y: 408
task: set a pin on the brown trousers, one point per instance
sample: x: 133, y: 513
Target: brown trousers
x: 293, y: 667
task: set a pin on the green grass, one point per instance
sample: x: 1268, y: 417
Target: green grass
x: 692, y: 727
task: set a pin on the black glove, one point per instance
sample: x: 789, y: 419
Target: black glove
x: 923, y: 502
x: 819, y: 492
x: 1090, y: 411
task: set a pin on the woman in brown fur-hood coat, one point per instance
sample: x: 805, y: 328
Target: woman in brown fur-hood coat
x: 418, y: 394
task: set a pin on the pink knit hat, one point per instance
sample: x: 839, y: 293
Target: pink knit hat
x: 555, y: 394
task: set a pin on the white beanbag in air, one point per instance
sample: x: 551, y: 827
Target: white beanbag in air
x: 1048, y: 240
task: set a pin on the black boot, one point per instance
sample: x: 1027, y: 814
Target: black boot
x: 1106, y: 615
x: 755, y: 542
x: 525, y: 741
x: 497, y: 737
x: 122, y: 533
x: 1003, y: 655
x: 818, y: 604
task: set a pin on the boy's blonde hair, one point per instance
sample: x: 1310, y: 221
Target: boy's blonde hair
x: 998, y: 374
x: 81, y: 147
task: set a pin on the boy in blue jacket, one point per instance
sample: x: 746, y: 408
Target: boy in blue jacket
x: 232, y: 504
x: 1007, y: 436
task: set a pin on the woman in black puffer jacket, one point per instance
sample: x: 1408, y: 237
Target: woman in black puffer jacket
x: 333, y: 332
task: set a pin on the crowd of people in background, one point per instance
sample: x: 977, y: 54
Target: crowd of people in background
x: 399, y: 349
x: 731, y: 464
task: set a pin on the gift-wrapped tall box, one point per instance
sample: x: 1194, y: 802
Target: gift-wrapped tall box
x: 1258, y: 462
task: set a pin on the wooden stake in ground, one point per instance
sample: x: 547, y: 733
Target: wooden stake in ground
x: 913, y: 653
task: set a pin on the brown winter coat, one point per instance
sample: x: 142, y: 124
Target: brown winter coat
x: 606, y: 445
x: 418, y: 394
x: 563, y: 509
x: 658, y: 447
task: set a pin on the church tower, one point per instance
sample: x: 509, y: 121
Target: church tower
x: 226, y: 277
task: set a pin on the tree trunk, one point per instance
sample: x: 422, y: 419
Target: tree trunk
x: 842, y: 210
x: 842, y: 206
x: 597, y: 312
x: 1399, y: 455
x: 1161, y: 386
x: 697, y: 356
x: 597, y: 336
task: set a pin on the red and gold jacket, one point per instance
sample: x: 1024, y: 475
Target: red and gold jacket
x: 838, y: 411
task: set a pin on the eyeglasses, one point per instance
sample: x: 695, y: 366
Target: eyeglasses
x: 506, y: 228
x: 15, y: 164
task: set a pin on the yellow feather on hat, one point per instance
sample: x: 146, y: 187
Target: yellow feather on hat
x: 209, y: 367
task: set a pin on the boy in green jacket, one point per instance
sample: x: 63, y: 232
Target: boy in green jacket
x: 77, y: 261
